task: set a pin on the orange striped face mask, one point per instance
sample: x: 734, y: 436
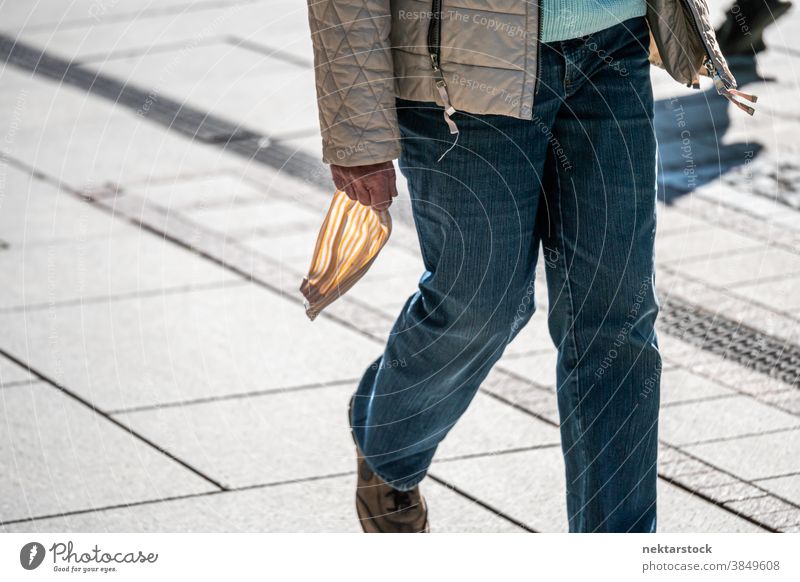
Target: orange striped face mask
x: 349, y: 240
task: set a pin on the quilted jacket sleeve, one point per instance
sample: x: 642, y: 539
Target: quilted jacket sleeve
x: 355, y: 80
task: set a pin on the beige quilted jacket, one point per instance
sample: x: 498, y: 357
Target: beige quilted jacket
x: 478, y: 56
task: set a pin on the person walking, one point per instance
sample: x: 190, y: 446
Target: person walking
x: 518, y: 126
x: 742, y: 32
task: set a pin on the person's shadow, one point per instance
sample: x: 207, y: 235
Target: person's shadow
x: 691, y: 133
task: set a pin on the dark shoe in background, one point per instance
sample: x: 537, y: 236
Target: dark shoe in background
x: 382, y: 508
x: 742, y: 32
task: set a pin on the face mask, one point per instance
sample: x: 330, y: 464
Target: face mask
x: 349, y: 240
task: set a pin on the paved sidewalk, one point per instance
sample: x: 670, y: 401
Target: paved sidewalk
x: 159, y: 199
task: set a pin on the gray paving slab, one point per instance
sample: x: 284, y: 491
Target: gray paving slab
x: 675, y: 223
x: 760, y: 206
x: 35, y: 212
x: 87, y: 141
x: 539, y: 367
x: 54, y: 13
x: 489, y: 425
x: 168, y: 348
x: 258, y: 91
x: 32, y: 100
x: 681, y: 385
x: 682, y: 512
x: 199, y: 191
x: 294, y: 249
x: 785, y: 222
x: 11, y: 373
x: 756, y: 457
x: 58, y: 456
x: 324, y: 506
x: 788, y: 400
x: 393, y: 260
x: 742, y: 267
x: 774, y: 64
x: 721, y: 418
x: 257, y: 440
x: 309, y: 144
x: 276, y: 21
x: 781, y: 295
x: 388, y: 294
x: 741, y: 377
x: 539, y: 401
x: 535, y: 336
x: 676, y: 350
x: 705, y: 241
x: 528, y: 486
x: 275, y: 28
x: 103, y: 267
x: 266, y: 215
x: 787, y: 487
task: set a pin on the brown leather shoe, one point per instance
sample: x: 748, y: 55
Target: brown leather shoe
x: 383, y: 509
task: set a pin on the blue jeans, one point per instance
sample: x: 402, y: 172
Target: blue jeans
x: 579, y: 180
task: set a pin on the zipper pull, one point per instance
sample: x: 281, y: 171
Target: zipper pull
x: 441, y: 87
x: 726, y: 90
x: 449, y: 110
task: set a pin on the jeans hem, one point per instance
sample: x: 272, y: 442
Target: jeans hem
x: 400, y: 486
x: 394, y: 483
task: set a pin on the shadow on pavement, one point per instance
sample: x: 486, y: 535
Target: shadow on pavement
x: 691, y: 137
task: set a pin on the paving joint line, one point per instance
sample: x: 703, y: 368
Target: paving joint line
x: 676, y: 483
x: 18, y: 383
x: 483, y: 504
x: 498, y: 453
x: 235, y: 396
x: 678, y: 403
x: 729, y: 474
x: 779, y: 476
x: 267, y: 51
x: 146, y: 51
x: 740, y: 436
x: 146, y: 294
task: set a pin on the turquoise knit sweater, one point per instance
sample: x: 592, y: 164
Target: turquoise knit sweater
x: 565, y: 19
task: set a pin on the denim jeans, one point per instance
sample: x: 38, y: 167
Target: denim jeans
x: 578, y: 180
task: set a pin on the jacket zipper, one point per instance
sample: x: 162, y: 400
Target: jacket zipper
x: 434, y: 50
x: 723, y: 86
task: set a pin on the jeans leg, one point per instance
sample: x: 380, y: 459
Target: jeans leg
x: 475, y: 212
x: 598, y: 225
